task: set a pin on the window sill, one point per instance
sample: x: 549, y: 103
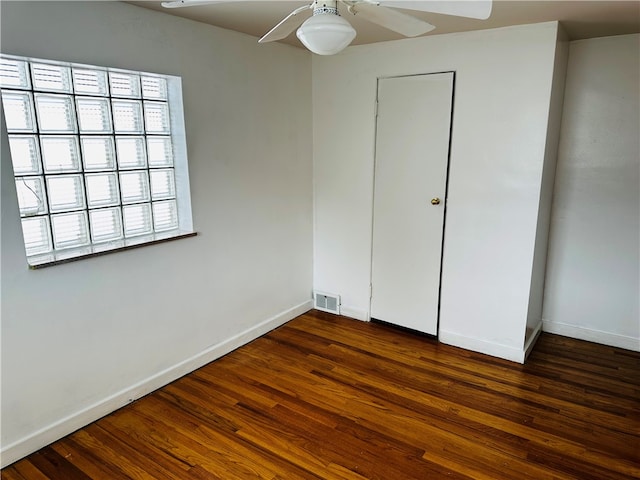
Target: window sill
x: 73, y: 254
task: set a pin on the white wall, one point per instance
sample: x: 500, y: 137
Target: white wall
x: 502, y: 98
x: 534, y: 314
x: 593, y: 274
x: 80, y: 339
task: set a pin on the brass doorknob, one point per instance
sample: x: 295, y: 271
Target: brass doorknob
x: 435, y: 201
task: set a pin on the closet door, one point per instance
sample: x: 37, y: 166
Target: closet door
x: 412, y: 150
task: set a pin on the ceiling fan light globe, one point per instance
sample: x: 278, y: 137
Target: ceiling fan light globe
x: 326, y: 34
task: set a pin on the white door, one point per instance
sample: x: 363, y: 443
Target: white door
x: 412, y: 151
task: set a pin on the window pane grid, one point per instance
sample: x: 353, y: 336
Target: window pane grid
x: 14, y: 74
x: 92, y: 154
x: 51, y: 78
x: 60, y: 153
x: 55, y: 113
x: 90, y: 82
x: 18, y: 111
x: 25, y: 154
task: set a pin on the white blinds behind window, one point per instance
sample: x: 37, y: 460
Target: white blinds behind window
x: 37, y: 237
x: 14, y: 74
x: 55, y: 113
x: 127, y: 116
x: 154, y: 88
x: 70, y: 230
x: 31, y: 196
x: 60, y: 153
x: 25, y: 154
x: 162, y: 184
x: 102, y: 189
x: 159, y: 151
x: 124, y: 85
x: 92, y: 82
x: 94, y: 115
x: 54, y: 78
x: 98, y: 153
x: 66, y: 192
x: 165, y: 215
x: 156, y: 116
x: 18, y: 112
x: 137, y: 219
x: 106, y: 224
x: 131, y: 152
x: 134, y: 187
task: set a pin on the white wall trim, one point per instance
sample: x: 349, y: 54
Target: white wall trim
x: 482, y: 346
x: 71, y: 423
x: 354, y: 313
x: 528, y: 346
x: 591, y: 335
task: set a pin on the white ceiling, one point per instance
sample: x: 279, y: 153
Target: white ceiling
x: 581, y: 19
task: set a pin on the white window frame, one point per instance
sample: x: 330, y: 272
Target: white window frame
x: 177, y: 175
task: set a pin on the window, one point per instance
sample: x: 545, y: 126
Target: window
x: 99, y: 157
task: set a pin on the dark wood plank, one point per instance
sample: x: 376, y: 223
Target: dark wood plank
x: 326, y: 397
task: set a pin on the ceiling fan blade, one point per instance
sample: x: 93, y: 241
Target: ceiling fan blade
x: 191, y: 3
x: 391, y: 19
x: 480, y: 9
x: 288, y: 24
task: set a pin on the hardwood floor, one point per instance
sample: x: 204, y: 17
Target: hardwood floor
x: 332, y: 398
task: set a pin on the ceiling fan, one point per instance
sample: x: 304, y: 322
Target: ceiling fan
x: 323, y: 31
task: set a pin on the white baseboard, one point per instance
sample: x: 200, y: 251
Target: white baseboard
x: 354, y: 313
x: 591, y: 335
x: 531, y: 341
x: 71, y: 423
x: 482, y: 346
